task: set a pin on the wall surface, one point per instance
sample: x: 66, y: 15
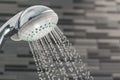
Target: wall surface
x: 93, y: 26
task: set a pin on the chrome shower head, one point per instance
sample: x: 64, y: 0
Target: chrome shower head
x: 35, y: 22
x: 31, y: 24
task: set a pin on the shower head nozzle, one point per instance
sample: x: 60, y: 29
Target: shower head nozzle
x: 38, y: 27
x: 35, y: 25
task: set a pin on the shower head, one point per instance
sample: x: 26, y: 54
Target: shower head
x: 30, y: 24
x: 35, y: 22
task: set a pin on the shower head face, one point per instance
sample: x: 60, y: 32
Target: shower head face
x: 38, y: 27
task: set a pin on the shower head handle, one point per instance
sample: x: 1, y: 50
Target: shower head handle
x: 9, y: 26
x: 12, y: 23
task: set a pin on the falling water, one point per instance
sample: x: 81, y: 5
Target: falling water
x: 57, y: 59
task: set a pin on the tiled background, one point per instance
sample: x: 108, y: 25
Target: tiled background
x: 93, y: 26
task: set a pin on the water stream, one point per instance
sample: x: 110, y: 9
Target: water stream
x: 57, y: 59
